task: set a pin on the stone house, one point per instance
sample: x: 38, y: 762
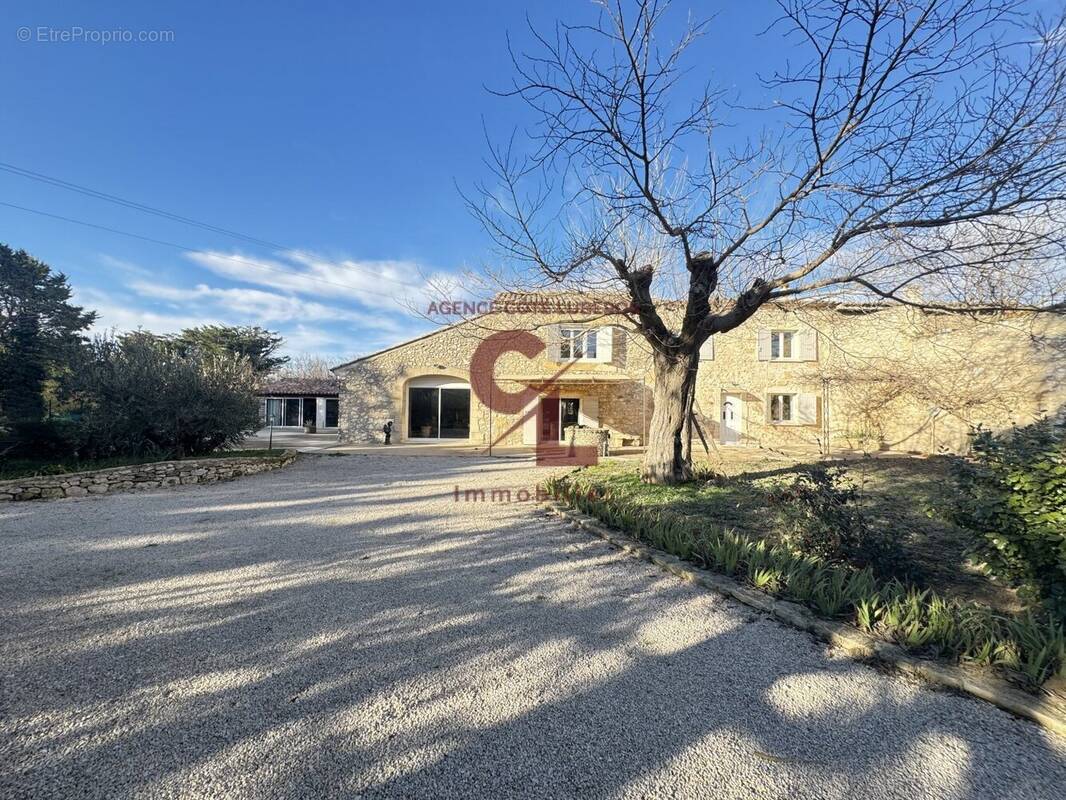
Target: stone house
x: 814, y: 376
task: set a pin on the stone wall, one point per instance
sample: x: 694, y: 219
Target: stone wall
x: 878, y: 378
x: 136, y: 477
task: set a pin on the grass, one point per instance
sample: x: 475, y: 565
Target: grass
x: 26, y: 468
x: 695, y: 522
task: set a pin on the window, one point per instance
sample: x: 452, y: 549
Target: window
x: 292, y: 412
x: 577, y: 344
x: 781, y: 408
x: 780, y: 345
x: 274, y: 411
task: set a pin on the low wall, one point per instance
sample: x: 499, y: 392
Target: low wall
x: 136, y: 477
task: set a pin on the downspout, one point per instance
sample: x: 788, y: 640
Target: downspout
x: 643, y: 412
x: 826, y: 424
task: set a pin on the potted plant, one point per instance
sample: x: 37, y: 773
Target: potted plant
x: 309, y: 427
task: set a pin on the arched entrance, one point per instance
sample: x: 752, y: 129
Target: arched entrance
x: 438, y: 408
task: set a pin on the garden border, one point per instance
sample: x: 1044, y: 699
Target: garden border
x: 139, y: 477
x: 848, y: 638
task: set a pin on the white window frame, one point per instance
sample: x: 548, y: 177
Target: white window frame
x: 776, y: 399
x: 778, y: 339
x: 582, y: 337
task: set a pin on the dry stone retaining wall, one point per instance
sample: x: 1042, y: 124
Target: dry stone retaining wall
x: 136, y: 477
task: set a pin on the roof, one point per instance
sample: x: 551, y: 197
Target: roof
x: 303, y: 387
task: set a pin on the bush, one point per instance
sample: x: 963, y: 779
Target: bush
x: 144, y: 396
x: 822, y: 516
x: 1013, y: 496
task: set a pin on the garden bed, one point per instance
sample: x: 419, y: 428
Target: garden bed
x: 728, y: 525
x: 910, y: 497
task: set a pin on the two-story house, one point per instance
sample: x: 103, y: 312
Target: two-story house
x: 810, y: 375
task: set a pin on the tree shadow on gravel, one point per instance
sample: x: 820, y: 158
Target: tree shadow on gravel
x: 312, y: 633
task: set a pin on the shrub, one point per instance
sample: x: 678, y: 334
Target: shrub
x: 1013, y: 496
x: 145, y: 396
x: 822, y: 516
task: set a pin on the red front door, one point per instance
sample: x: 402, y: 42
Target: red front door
x: 549, y: 419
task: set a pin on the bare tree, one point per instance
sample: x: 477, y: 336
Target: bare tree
x: 915, y: 153
x: 305, y: 366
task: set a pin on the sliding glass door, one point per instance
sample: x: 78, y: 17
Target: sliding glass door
x: 455, y: 413
x: 438, y: 412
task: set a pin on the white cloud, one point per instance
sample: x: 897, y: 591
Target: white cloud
x: 261, y: 306
x: 400, y: 286
x: 296, y: 296
x: 113, y: 314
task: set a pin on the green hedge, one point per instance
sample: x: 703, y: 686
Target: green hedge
x: 1031, y: 647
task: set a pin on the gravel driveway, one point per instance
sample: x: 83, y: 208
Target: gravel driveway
x: 344, y: 627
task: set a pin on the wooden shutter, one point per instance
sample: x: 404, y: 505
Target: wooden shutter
x: 588, y: 412
x: 806, y: 409
x: 605, y: 344
x: 707, y: 350
x: 553, y: 337
x: 808, y: 345
x: 529, y: 424
x: 762, y: 349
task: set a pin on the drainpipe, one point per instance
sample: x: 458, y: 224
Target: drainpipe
x: 826, y: 425
x: 643, y: 412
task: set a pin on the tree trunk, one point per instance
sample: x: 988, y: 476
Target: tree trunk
x: 668, y: 456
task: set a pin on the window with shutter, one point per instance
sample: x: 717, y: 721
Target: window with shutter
x: 782, y: 408
x: 781, y: 345
x: 707, y: 350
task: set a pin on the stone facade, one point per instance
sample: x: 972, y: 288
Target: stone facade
x: 860, y: 377
x: 138, y: 477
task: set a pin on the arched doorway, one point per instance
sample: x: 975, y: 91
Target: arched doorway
x: 438, y: 408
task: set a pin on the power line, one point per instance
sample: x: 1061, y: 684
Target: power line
x: 187, y: 249
x: 85, y: 190
x: 111, y: 198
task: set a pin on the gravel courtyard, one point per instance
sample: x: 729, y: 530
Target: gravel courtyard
x: 343, y: 627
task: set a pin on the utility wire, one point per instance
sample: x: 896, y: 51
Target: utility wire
x: 111, y: 198
x: 187, y: 249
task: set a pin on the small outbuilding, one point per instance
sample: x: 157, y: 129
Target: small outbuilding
x: 309, y: 403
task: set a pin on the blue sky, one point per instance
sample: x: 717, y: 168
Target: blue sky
x: 337, y: 131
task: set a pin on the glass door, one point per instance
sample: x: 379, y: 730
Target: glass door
x: 568, y: 414
x: 455, y: 413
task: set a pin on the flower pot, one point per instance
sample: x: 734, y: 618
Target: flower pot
x: 425, y: 431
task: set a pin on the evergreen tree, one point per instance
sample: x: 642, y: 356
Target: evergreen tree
x: 40, y: 333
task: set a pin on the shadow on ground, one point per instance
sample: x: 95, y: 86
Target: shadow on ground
x: 343, y: 627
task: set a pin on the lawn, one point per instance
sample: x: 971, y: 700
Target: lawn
x: 23, y: 468
x: 905, y: 496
